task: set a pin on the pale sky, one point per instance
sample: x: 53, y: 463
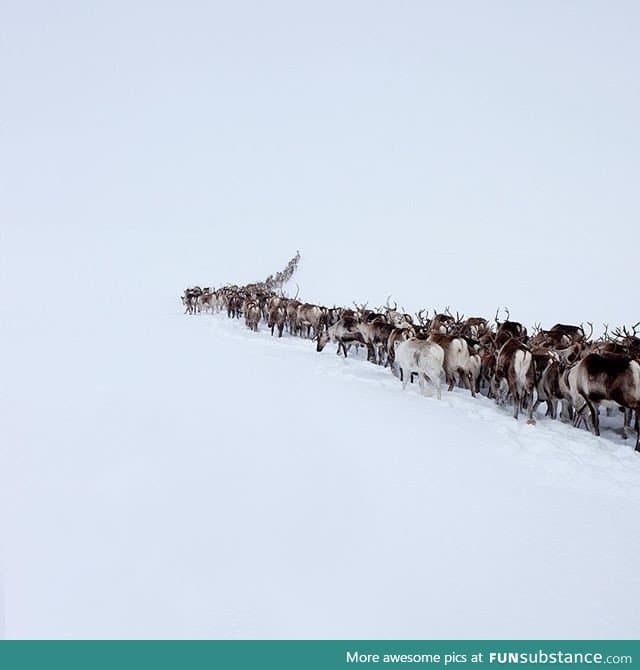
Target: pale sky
x: 396, y: 144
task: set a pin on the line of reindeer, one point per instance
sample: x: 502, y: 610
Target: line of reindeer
x: 562, y: 367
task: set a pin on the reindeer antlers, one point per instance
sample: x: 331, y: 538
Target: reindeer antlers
x: 617, y: 333
x: 506, y: 309
x: 422, y: 319
x: 624, y: 334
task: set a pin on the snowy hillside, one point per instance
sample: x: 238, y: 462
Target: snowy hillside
x: 171, y: 476
x: 184, y: 477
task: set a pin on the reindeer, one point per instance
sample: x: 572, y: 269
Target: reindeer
x: 308, y: 317
x: 474, y: 371
x: 546, y: 365
x: 560, y: 335
x: 291, y: 307
x: 276, y: 317
x: 292, y: 315
x: 332, y: 315
x: 550, y: 365
x: 396, y: 336
x: 190, y: 299
x: 421, y: 324
x: 614, y: 377
x: 206, y: 300
x: 442, y: 323
x: 375, y: 331
x: 345, y: 332
x: 234, y: 305
x: 572, y: 333
x: 487, y: 368
x: 423, y: 358
x: 629, y: 341
x: 252, y: 314
x: 457, y: 363
x: 514, y: 375
x: 508, y: 329
x: 271, y: 303
x: 473, y: 327
x: 393, y: 316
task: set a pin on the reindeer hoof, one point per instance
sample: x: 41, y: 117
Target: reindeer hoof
x: 531, y: 422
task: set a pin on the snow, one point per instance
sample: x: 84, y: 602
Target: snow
x: 183, y: 477
x: 166, y: 476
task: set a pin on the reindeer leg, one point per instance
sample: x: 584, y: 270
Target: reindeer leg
x: 371, y: 354
x: 536, y: 404
x: 626, y: 422
x: 451, y: 379
x: 595, y: 419
x: 494, y: 390
x: 471, y: 384
x: 403, y: 379
x: 530, y: 418
x: 437, y: 385
x: 517, y: 399
x: 628, y: 415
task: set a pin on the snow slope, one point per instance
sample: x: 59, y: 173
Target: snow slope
x: 184, y: 477
x: 162, y: 476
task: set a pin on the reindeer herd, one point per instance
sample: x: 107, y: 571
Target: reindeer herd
x: 562, y: 367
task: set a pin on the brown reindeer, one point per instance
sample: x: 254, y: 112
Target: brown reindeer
x: 345, y: 332
x: 252, y: 314
x: 615, y: 377
x: 506, y: 330
x: 442, y: 322
x: 514, y: 375
x: 276, y: 317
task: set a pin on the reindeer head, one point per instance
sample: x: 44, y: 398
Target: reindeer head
x: 321, y: 339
